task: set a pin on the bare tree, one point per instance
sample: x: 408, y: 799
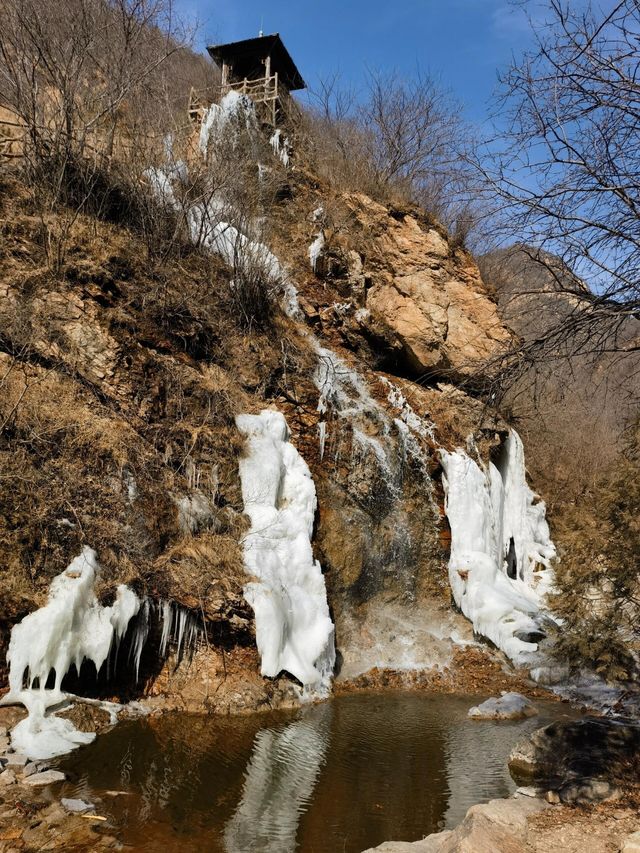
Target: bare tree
x: 564, y: 166
x: 401, y: 137
x: 77, y: 82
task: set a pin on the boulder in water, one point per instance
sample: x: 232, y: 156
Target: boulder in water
x: 509, y: 706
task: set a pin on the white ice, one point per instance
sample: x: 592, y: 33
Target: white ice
x: 73, y: 626
x: 315, y: 250
x: 281, y: 147
x: 294, y: 631
x: 497, y: 527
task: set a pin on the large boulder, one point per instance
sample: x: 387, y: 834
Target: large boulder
x: 582, y: 760
x: 427, y: 296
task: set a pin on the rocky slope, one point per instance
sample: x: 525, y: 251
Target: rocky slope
x: 122, y: 373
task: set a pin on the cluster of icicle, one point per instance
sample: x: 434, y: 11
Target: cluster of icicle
x: 294, y: 631
x: 501, y: 550
x: 281, y: 147
x: 71, y: 628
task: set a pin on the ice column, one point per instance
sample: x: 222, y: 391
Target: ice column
x: 501, y: 550
x: 294, y: 631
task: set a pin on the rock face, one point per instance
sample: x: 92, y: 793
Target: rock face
x: 121, y: 383
x: 429, y: 298
x: 582, y: 760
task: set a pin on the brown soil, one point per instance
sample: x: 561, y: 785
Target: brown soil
x: 473, y: 670
x: 578, y: 829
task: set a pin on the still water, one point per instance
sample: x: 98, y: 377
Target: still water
x: 332, y: 778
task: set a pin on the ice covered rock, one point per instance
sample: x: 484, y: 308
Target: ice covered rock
x: 509, y: 706
x: 501, y: 550
x: 294, y: 631
x: 72, y: 627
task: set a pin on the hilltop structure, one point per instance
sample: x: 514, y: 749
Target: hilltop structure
x: 263, y: 69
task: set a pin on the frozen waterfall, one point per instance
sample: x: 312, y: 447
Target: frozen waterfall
x: 501, y: 550
x: 71, y: 627
x: 294, y: 631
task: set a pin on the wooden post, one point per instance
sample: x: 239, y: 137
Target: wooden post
x: 267, y: 75
x: 225, y: 75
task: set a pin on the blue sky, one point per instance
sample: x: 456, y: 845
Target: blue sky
x: 460, y: 42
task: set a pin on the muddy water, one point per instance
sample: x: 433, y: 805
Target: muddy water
x: 332, y: 778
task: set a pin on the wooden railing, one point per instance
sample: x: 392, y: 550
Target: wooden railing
x: 265, y: 90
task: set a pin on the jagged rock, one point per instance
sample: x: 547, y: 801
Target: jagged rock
x: 16, y: 759
x: 509, y: 706
x: 430, y: 297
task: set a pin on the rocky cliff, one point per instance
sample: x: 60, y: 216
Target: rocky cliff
x: 122, y: 374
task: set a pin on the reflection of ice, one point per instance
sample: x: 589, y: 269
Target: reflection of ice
x: 279, y: 783
x: 476, y: 760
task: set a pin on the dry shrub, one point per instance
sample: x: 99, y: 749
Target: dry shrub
x: 599, y: 582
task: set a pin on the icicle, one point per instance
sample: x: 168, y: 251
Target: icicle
x: 315, y: 250
x: 140, y: 636
x: 322, y: 437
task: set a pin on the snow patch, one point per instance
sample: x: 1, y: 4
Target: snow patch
x: 501, y: 550
x: 294, y: 631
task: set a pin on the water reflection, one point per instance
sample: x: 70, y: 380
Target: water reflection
x: 341, y: 776
x: 279, y: 782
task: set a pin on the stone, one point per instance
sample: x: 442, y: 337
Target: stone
x: 16, y: 759
x: 30, y: 769
x: 7, y: 777
x: 588, y: 751
x: 631, y: 843
x: 47, y: 777
x: 509, y: 706
x: 552, y: 797
x: 526, y: 791
x: 587, y: 791
x: 77, y: 806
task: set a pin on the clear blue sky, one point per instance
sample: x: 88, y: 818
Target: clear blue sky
x: 461, y: 42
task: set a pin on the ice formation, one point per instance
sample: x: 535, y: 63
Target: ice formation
x: 501, y: 550
x: 211, y: 222
x: 281, y: 147
x: 315, y: 250
x: 73, y: 626
x: 179, y: 626
x: 234, y: 108
x: 294, y: 631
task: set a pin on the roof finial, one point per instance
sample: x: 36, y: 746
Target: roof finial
x: 260, y: 34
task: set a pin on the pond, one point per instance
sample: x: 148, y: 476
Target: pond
x: 340, y: 776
